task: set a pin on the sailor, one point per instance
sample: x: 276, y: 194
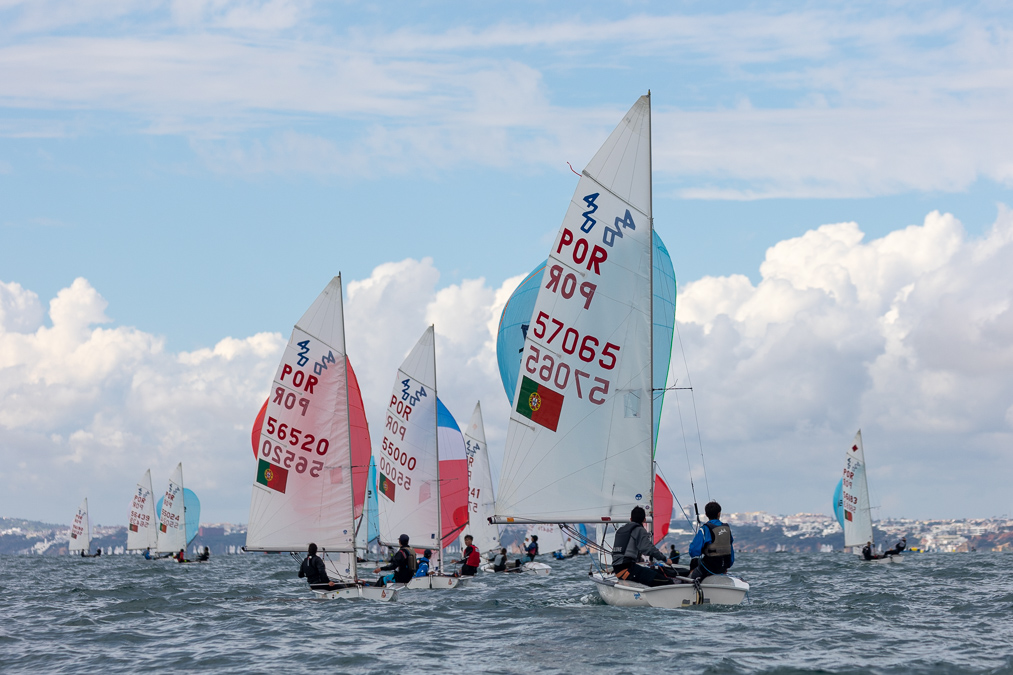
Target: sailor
x: 674, y: 555
x: 204, y: 555
x: 500, y: 561
x: 404, y: 563
x: 900, y: 546
x: 470, y: 557
x: 181, y: 556
x: 313, y: 570
x: 423, y: 569
x: 632, y: 540
x: 147, y: 553
x: 532, y: 549
x: 712, y: 545
x: 574, y: 551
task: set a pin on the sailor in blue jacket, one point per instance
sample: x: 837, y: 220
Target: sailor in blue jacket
x: 712, y: 545
x: 423, y: 569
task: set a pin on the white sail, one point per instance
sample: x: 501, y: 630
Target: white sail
x: 142, y: 524
x: 407, y: 460
x: 303, y: 489
x: 481, y: 500
x: 80, y: 529
x: 551, y: 538
x: 172, y: 519
x: 855, y: 492
x: 579, y: 442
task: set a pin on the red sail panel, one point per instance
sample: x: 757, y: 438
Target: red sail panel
x: 663, y: 503
x: 258, y: 425
x: 361, y: 448
x: 453, y: 498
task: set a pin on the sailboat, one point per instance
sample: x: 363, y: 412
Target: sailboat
x: 142, y: 524
x: 580, y: 442
x: 855, y: 507
x: 303, y: 491
x: 481, y: 499
x: 422, y: 467
x: 178, y: 514
x: 80, y: 532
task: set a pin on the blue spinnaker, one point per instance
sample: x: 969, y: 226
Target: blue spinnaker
x: 372, y: 507
x: 516, y: 317
x: 191, y: 505
x: 839, y: 502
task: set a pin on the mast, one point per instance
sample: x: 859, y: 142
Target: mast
x: 351, y: 469
x: 650, y: 284
x: 439, y: 501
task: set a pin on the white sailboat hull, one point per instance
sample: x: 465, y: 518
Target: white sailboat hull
x: 377, y: 593
x: 433, y: 582
x: 887, y: 559
x: 538, y: 568
x: 714, y: 590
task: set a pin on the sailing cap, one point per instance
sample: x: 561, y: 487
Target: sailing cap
x: 403, y: 539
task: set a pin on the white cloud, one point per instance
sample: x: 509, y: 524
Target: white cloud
x: 909, y: 336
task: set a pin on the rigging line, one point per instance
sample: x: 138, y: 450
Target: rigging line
x: 696, y: 417
x: 685, y: 445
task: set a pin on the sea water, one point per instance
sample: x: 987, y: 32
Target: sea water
x: 806, y: 613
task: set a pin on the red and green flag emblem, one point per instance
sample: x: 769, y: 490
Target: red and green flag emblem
x: 133, y: 528
x: 539, y: 404
x: 272, y: 476
x: 847, y: 516
x: 386, y: 486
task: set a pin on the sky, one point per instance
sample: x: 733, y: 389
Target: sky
x: 179, y: 179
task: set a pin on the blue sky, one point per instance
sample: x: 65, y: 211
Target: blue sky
x: 207, y: 165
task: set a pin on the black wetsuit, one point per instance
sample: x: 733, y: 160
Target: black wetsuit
x: 313, y: 570
x: 401, y: 563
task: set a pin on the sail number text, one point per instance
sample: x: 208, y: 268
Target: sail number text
x: 293, y: 436
x: 558, y: 374
x: 284, y: 457
x: 571, y: 338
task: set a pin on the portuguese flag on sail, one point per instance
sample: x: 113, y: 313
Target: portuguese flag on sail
x: 272, y: 476
x: 386, y: 486
x: 539, y: 404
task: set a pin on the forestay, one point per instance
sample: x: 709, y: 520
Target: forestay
x: 481, y: 501
x: 855, y: 495
x: 142, y: 524
x: 80, y: 529
x: 172, y: 515
x: 407, y: 460
x: 579, y: 442
x: 303, y: 489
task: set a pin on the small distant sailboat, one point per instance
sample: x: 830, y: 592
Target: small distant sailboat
x: 855, y: 510
x: 179, y: 515
x: 80, y: 532
x: 581, y: 436
x: 481, y: 499
x: 304, y: 489
x: 142, y: 523
x: 422, y: 466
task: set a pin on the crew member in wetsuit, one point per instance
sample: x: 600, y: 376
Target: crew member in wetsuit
x: 900, y: 546
x: 404, y: 563
x: 470, y: 557
x: 181, y: 556
x: 868, y: 554
x: 574, y: 552
x: 147, y: 553
x: 674, y: 555
x: 500, y: 561
x: 531, y: 550
x: 423, y: 569
x: 204, y: 555
x: 313, y: 569
x: 712, y: 545
x: 632, y: 540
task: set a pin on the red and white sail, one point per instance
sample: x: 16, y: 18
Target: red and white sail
x: 172, y: 519
x: 407, y: 460
x: 303, y: 489
x: 481, y: 499
x: 579, y: 442
x: 80, y: 529
x: 142, y: 523
x: 855, y: 492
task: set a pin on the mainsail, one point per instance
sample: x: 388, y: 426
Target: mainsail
x: 855, y: 495
x: 580, y: 438
x: 191, y: 513
x: 172, y: 516
x: 481, y: 501
x: 303, y: 488
x: 142, y: 525
x: 80, y: 529
x: 407, y: 460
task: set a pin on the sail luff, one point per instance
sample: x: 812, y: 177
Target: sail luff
x: 351, y: 463
x: 439, y: 503
x: 650, y: 277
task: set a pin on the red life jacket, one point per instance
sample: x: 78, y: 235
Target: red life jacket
x: 474, y: 558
